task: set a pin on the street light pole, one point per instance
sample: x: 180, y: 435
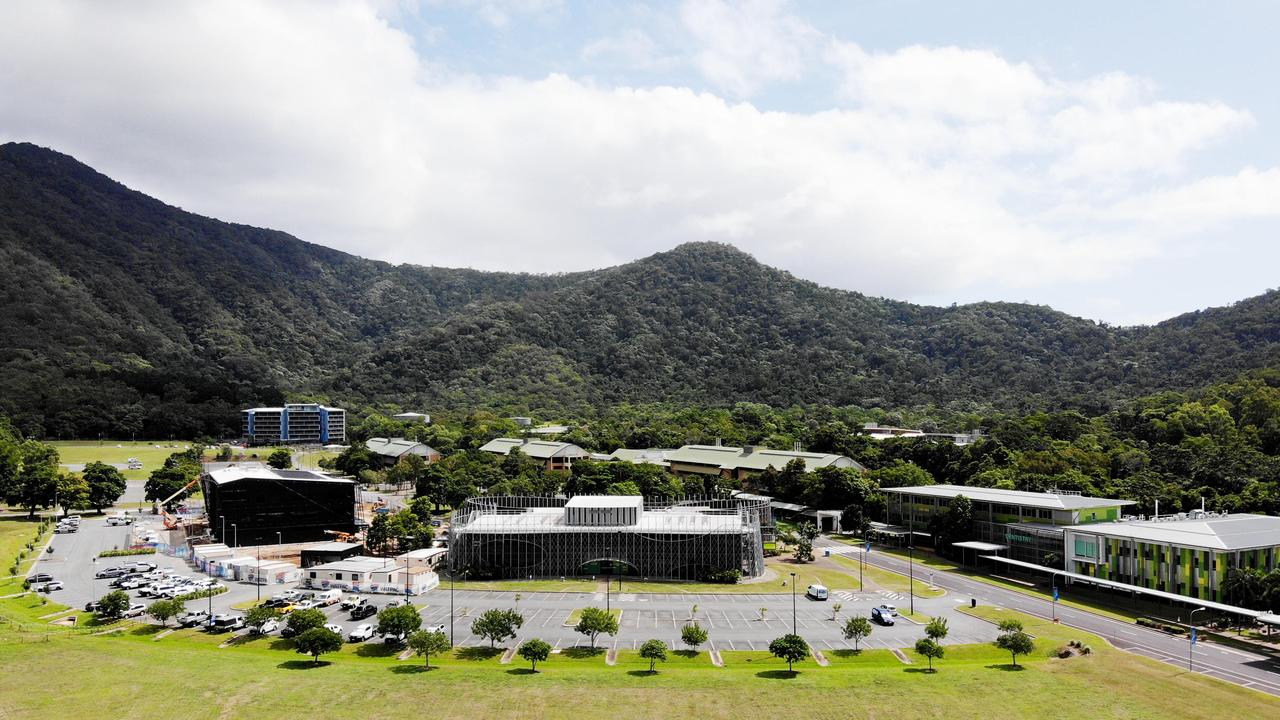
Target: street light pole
x: 793, y: 604
x: 1191, y: 646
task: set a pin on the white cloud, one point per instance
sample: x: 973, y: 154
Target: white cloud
x: 948, y: 170
x: 744, y: 46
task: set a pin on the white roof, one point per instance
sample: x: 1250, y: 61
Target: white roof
x: 232, y: 473
x: 674, y: 520
x: 539, y: 449
x: 359, y: 563
x: 1240, y: 531
x: 1010, y: 497
x: 605, y: 501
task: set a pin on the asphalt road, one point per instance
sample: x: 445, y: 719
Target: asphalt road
x: 1253, y: 670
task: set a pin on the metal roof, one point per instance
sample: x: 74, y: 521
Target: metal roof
x: 235, y: 473
x: 1240, y: 531
x: 540, y: 449
x: 398, y: 447
x: 1024, y: 498
x: 1259, y: 615
x: 754, y: 458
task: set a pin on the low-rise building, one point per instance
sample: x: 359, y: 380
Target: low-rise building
x: 391, y: 450
x: 1187, y: 553
x: 553, y: 455
x: 743, y: 462
x: 364, y: 574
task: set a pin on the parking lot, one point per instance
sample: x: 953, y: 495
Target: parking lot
x: 735, y: 621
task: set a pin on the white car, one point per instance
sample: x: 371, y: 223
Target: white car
x: 361, y: 633
x: 335, y: 628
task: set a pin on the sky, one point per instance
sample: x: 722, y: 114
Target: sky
x: 1117, y: 161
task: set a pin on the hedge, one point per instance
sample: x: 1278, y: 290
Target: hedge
x: 122, y: 553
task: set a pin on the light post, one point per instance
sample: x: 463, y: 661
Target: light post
x: 793, y: 604
x: 1053, y: 587
x: 1191, y: 646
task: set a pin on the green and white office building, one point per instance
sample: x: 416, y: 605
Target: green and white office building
x: 1187, y: 553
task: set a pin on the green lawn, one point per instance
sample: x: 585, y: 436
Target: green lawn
x: 77, y: 676
x: 889, y: 580
x: 152, y: 454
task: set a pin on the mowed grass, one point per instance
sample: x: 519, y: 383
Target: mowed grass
x: 79, y: 676
x: 152, y: 454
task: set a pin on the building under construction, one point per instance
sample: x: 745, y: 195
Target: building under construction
x: 257, y: 505
x: 588, y: 535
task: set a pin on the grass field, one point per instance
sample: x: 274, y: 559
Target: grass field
x: 152, y: 454
x: 79, y: 676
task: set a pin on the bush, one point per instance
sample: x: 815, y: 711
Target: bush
x: 123, y: 553
x: 723, y: 577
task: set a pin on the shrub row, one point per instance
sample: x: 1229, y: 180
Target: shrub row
x: 122, y: 553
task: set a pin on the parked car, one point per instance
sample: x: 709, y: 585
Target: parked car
x: 334, y: 627
x: 361, y: 633
x: 361, y: 612
x: 816, y: 592
x: 135, y: 610
x: 51, y: 586
x: 39, y: 578
x: 881, y: 616
x: 193, y: 618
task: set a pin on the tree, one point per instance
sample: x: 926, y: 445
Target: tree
x: 258, y: 615
x: 535, y: 651
x: 693, y: 635
x: 280, y: 459
x: 789, y: 647
x: 162, y: 610
x: 497, y: 625
x: 654, y: 651
x: 301, y: 621
x: 1013, y: 640
x: 855, y: 629
x: 936, y: 629
x: 424, y: 643
x: 401, y: 620
x: 318, y: 641
x: 106, y: 485
x: 594, y: 621
x: 113, y: 604
x: 930, y: 649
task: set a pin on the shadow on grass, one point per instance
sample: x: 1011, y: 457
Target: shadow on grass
x: 412, y: 669
x: 686, y: 654
x: 642, y: 673
x: 1007, y: 667
x: 578, y: 652
x: 478, y: 653
x: 846, y: 654
x: 302, y: 664
x: 378, y: 650
x: 522, y: 671
x: 778, y: 674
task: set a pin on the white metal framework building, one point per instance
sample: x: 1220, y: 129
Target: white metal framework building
x: 509, y: 537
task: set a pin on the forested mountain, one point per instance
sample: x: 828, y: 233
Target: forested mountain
x: 123, y: 315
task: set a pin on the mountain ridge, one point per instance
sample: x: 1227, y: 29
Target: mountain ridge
x: 125, y: 315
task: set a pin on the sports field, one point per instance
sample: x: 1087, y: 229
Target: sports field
x: 78, y: 676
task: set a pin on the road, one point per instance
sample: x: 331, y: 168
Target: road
x: 1242, y: 668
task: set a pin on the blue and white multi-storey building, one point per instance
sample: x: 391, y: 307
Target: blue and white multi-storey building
x: 302, y: 423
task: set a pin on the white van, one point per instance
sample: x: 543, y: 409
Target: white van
x: 329, y: 597
x: 817, y: 592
